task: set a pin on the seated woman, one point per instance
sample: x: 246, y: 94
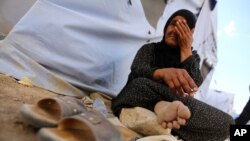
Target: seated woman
x: 164, y: 78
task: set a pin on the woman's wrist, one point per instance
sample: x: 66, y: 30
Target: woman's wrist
x: 157, y: 74
x: 185, y: 53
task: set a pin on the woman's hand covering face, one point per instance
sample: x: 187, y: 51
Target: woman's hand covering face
x: 184, y: 33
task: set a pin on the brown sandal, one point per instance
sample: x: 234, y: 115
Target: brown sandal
x: 48, y: 111
x: 87, y: 126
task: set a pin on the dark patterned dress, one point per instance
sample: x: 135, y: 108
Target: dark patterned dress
x: 206, y: 122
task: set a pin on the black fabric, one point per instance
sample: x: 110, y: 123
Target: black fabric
x: 163, y: 52
x: 212, y: 4
x: 244, y: 116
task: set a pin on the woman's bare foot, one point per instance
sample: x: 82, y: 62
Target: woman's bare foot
x: 172, y: 114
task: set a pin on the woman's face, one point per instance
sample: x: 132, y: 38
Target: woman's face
x: 171, y: 36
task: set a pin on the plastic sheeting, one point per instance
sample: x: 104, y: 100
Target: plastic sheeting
x: 10, y: 13
x: 89, y: 44
x: 206, y: 44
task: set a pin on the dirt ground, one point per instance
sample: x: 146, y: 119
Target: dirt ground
x: 12, y: 96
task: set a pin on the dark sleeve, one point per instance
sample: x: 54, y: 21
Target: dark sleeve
x: 132, y: 94
x: 191, y: 64
x: 142, y: 65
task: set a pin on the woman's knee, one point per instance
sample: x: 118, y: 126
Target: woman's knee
x: 140, y: 81
x: 229, y: 120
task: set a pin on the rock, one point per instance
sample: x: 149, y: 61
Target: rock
x: 142, y: 121
x: 160, y: 138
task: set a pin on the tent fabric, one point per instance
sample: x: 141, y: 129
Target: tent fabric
x: 15, y: 63
x: 10, y: 13
x: 89, y: 45
x: 74, y: 47
x: 205, y: 43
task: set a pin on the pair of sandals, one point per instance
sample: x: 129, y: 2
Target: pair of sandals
x: 64, y: 118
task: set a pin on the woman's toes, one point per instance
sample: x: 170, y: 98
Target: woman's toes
x: 183, y: 112
x: 170, y: 125
x: 181, y: 121
x: 164, y: 124
x: 176, y: 125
